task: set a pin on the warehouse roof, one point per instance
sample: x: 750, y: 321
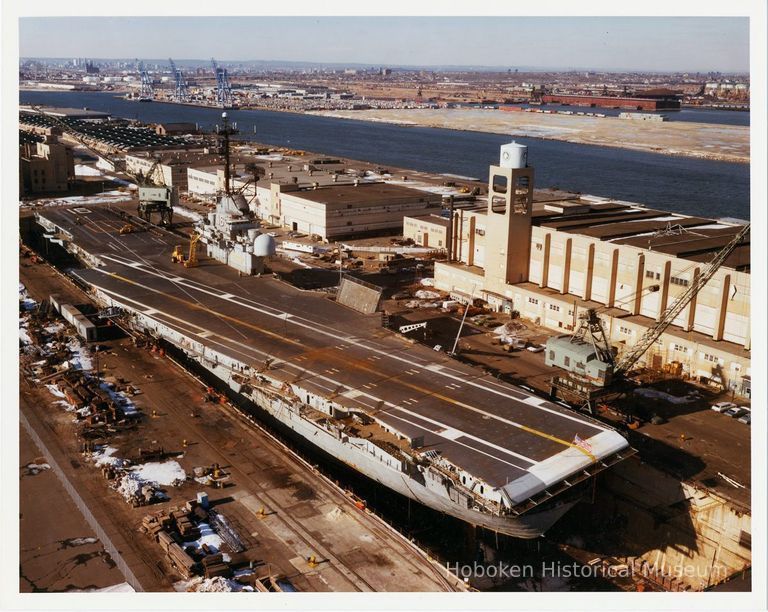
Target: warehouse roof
x: 692, y: 238
x: 365, y: 194
x: 434, y: 219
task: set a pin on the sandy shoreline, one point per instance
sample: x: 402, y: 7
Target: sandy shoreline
x: 686, y: 139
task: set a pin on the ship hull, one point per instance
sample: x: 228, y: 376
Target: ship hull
x: 286, y: 417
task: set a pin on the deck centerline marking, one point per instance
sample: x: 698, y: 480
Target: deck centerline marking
x: 419, y: 388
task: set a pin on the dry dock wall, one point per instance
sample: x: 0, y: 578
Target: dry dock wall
x: 673, y: 529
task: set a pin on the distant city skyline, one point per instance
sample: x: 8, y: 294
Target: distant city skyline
x: 694, y: 44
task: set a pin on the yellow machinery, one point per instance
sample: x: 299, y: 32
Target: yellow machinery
x: 191, y: 261
x: 178, y: 255
x: 126, y: 229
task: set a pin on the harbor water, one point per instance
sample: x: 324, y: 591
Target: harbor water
x: 676, y: 184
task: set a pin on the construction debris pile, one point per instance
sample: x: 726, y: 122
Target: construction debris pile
x: 94, y: 401
x: 139, y: 483
x: 202, y: 546
x: 101, y: 406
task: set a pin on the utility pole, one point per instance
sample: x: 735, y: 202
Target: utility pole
x: 464, y: 318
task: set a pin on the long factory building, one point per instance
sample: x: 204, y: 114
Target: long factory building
x: 549, y: 259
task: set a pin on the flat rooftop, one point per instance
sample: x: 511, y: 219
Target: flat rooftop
x: 434, y: 219
x: 338, y: 196
x: 693, y: 238
x: 497, y: 432
x: 70, y: 113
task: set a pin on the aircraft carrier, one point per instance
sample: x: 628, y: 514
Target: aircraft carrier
x: 417, y: 421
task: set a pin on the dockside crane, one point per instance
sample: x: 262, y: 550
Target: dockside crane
x: 147, y: 91
x: 181, y: 91
x: 590, y: 329
x: 223, y: 87
x: 155, y: 196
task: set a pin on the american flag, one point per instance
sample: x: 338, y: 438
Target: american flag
x: 578, y: 441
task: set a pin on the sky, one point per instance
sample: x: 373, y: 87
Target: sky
x: 696, y: 44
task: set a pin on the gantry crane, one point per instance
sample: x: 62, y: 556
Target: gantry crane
x: 147, y: 91
x: 181, y: 90
x: 223, y: 87
x: 155, y: 196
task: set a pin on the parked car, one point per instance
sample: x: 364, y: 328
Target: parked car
x: 723, y: 406
x: 746, y: 419
x: 736, y: 412
x: 536, y: 348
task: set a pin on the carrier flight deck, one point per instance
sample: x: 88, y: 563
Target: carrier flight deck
x: 505, y: 451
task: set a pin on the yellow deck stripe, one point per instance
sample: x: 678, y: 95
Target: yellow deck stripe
x: 353, y: 363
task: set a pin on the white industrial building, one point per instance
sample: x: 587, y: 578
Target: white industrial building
x: 548, y: 261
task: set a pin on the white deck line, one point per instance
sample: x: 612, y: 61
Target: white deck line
x: 367, y: 346
x: 337, y: 384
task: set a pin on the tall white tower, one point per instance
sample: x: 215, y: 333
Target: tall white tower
x: 508, y: 228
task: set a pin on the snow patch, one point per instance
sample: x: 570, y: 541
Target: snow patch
x: 219, y: 584
x: 424, y: 294
x: 121, y: 399
x: 167, y: 473
x: 189, y: 214
x: 54, y: 390
x: 81, y: 170
x: 105, y: 456
x: 82, y: 541
x: 80, y: 359
x: 208, y: 537
x: 54, y: 328
x: 64, y: 404
x: 24, y: 334
x: 36, y: 468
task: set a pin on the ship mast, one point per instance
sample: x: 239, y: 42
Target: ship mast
x: 226, y: 131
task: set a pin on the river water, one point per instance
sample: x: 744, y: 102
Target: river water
x: 676, y: 184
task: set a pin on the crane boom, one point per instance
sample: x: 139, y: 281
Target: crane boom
x: 630, y: 358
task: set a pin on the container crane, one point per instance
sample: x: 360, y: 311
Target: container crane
x: 223, y: 87
x: 147, y: 91
x: 181, y: 91
x: 613, y: 372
